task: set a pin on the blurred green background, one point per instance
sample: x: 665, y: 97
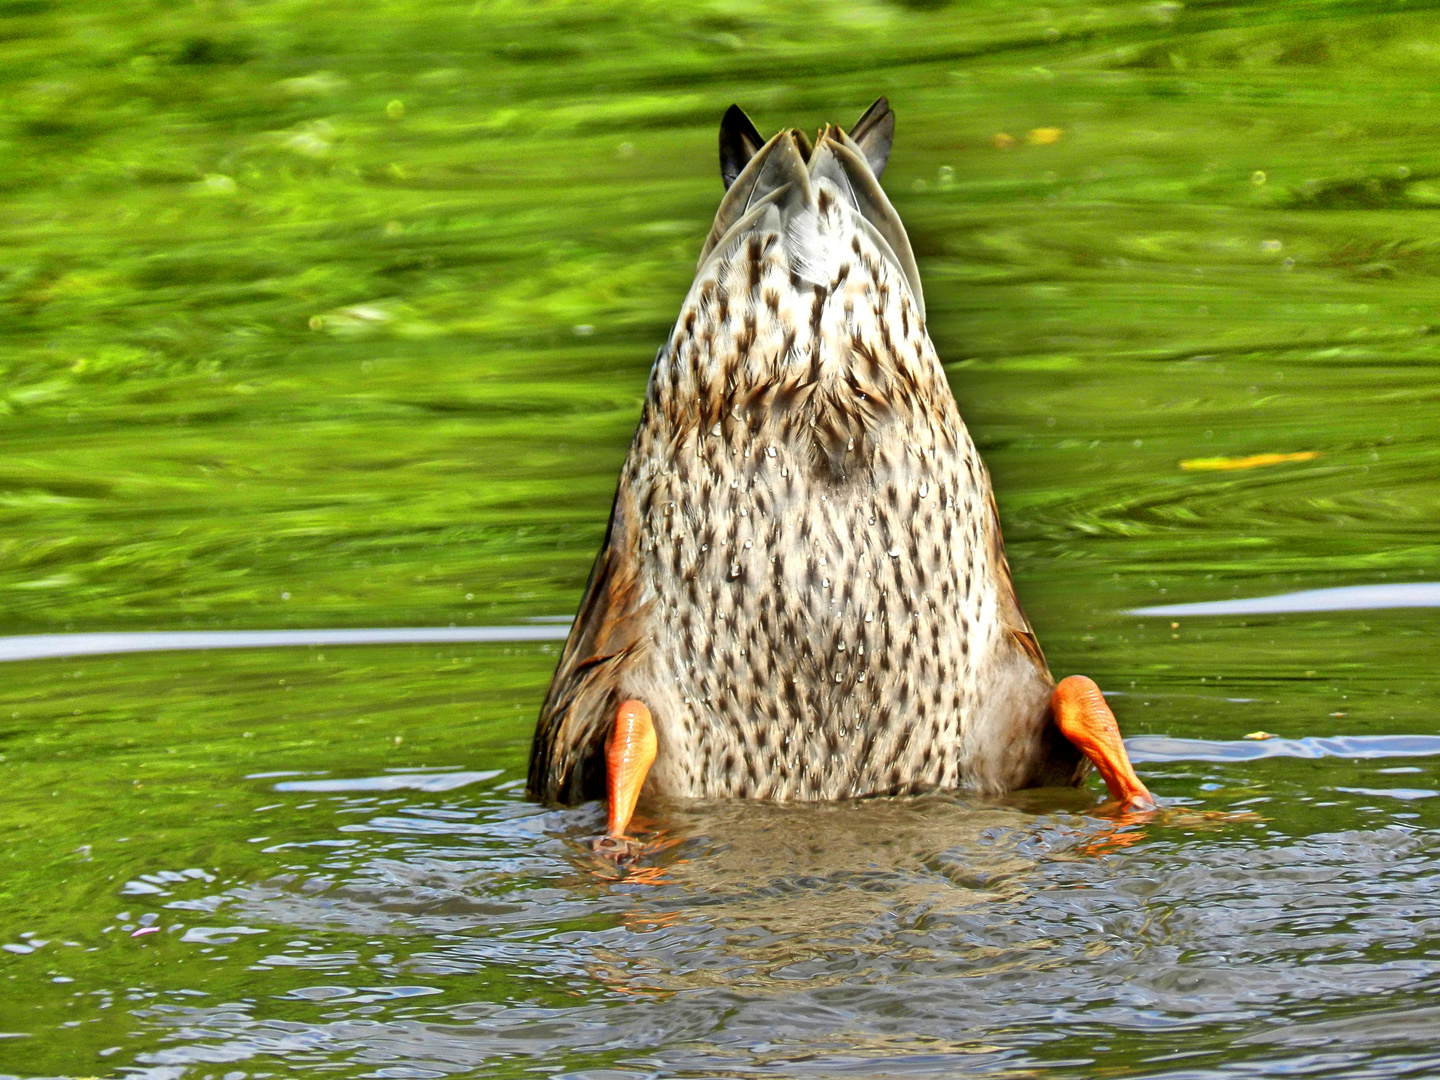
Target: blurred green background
x: 326, y: 314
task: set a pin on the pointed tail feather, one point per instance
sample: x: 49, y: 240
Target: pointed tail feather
x: 783, y: 174
x: 874, y: 133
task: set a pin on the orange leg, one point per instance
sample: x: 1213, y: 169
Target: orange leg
x: 1086, y: 720
x: 628, y: 756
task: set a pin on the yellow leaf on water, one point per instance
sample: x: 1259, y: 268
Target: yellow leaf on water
x: 1044, y: 136
x: 1254, y: 461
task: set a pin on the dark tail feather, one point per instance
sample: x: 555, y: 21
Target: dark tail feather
x: 773, y: 184
x: 739, y: 142
x: 874, y: 133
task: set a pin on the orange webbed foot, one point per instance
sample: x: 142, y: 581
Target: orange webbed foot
x: 629, y: 753
x: 1085, y: 719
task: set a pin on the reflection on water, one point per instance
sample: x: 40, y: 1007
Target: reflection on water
x: 398, y: 780
x: 1157, y: 748
x: 41, y: 646
x: 1423, y: 594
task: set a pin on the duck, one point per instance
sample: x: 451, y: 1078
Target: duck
x: 802, y: 594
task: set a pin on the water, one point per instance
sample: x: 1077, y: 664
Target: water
x: 1425, y: 594
x: 328, y: 319
x: 40, y: 646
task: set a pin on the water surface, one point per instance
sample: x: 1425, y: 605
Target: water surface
x: 40, y: 646
x: 1419, y: 594
x: 322, y: 318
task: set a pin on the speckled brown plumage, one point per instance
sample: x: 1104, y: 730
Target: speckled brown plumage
x: 803, y: 576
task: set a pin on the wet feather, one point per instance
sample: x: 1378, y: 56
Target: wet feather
x: 803, y: 577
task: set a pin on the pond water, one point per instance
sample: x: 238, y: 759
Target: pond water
x: 332, y: 322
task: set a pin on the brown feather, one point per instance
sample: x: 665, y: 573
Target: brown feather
x: 804, y: 579
x: 567, y: 754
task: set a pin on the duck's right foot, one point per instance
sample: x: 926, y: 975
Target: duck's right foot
x: 1085, y: 719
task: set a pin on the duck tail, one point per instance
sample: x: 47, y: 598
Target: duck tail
x: 783, y: 186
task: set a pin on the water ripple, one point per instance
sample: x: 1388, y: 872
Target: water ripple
x: 45, y: 646
x: 1420, y: 594
x: 1158, y: 748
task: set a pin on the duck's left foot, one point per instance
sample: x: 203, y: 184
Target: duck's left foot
x: 1086, y: 720
x: 629, y: 753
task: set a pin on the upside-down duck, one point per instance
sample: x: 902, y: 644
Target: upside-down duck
x: 803, y: 591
